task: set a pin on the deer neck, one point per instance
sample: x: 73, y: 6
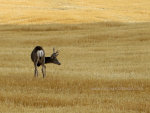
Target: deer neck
x: 48, y: 60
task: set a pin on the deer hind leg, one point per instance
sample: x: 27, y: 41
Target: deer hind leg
x: 36, y: 70
x: 43, y: 70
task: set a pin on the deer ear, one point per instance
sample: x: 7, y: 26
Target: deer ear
x: 52, y: 56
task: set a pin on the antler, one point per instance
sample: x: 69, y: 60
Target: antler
x: 57, y: 53
x: 53, y: 50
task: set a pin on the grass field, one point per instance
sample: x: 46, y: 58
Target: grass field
x: 73, y: 11
x: 105, y: 68
x: 104, y: 49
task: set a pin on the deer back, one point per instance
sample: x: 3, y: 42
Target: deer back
x: 38, y: 55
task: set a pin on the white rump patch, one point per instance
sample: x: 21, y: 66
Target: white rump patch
x: 40, y: 53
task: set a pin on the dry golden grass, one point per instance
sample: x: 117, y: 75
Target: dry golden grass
x: 105, y: 65
x: 105, y: 68
x: 73, y: 11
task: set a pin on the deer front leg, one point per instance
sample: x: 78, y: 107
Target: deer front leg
x: 43, y: 70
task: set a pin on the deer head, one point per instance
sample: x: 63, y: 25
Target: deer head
x: 54, y: 57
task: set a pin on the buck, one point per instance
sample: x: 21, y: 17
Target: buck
x: 38, y: 58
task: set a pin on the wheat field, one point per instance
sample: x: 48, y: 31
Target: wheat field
x: 73, y: 11
x: 104, y: 50
x: 105, y: 68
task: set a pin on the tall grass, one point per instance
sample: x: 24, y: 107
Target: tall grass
x: 105, y: 68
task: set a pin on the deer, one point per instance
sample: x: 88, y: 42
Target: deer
x: 38, y: 58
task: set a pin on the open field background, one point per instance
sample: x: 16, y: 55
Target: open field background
x: 73, y: 11
x: 105, y: 68
x: 104, y: 50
